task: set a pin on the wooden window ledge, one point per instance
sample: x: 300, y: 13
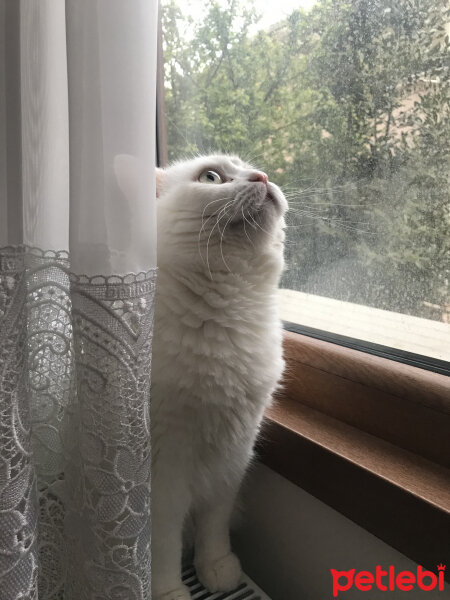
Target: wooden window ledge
x: 370, y: 438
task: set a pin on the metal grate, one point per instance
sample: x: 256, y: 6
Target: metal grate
x: 247, y: 590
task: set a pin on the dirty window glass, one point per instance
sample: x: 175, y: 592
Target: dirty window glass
x: 346, y: 105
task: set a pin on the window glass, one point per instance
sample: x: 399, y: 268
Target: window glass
x: 346, y: 105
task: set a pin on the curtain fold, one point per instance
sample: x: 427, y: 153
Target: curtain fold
x: 77, y: 280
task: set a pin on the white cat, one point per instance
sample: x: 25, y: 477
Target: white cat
x: 217, y: 356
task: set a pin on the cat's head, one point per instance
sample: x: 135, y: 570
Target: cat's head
x: 213, y: 207
x: 221, y: 197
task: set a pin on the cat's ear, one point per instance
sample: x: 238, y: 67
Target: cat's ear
x: 159, y: 180
x: 126, y: 169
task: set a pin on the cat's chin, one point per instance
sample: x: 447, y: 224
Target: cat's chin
x: 275, y: 197
x: 270, y: 197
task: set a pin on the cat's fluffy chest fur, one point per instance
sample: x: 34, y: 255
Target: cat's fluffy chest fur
x: 216, y: 362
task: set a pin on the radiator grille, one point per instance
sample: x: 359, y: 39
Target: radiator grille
x: 246, y: 591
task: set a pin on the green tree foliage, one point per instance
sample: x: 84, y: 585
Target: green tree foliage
x: 347, y: 107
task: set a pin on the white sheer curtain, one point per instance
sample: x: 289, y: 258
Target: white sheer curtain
x: 77, y: 277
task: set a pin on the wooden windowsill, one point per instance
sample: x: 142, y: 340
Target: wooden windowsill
x: 370, y: 438
x: 417, y: 476
x: 404, y: 405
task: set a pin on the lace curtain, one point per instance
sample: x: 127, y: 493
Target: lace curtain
x: 77, y: 277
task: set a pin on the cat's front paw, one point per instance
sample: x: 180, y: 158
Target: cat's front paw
x: 221, y: 575
x: 180, y: 593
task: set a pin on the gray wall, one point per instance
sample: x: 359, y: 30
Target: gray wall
x: 288, y: 541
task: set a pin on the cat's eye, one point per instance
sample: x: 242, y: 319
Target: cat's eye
x: 210, y: 177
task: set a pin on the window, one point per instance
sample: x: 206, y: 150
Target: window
x: 347, y: 106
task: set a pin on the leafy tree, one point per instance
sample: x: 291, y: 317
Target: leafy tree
x: 347, y: 106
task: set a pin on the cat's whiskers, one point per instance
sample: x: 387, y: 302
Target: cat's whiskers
x: 322, y: 206
x: 245, y: 229
x: 295, y: 192
x: 345, y: 223
x: 219, y: 218
x: 310, y: 187
x: 259, y: 226
x: 204, y: 223
x: 213, y: 214
x: 253, y: 157
x: 221, y: 243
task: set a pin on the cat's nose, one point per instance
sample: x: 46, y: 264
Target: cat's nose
x: 259, y: 176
